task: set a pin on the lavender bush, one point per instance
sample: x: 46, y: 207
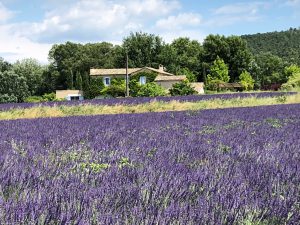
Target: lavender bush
x: 227, y: 166
x: 141, y: 100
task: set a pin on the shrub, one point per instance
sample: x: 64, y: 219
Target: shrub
x: 5, y: 98
x: 34, y: 99
x: 246, y: 81
x: 134, y: 85
x: 151, y: 90
x: 182, y: 88
x: 116, y: 89
x: 292, y: 83
x: 49, y: 97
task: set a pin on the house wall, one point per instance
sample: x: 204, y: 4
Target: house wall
x: 198, y: 86
x: 167, y: 84
x: 66, y: 94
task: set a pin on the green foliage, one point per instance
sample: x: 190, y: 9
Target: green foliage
x: 14, y: 86
x: 182, y: 88
x: 94, y: 167
x: 78, y: 81
x: 151, y: 90
x: 218, y: 72
x: 269, y: 70
x: 34, y: 99
x: 143, y: 49
x: 233, y: 50
x: 124, y: 162
x: 134, y: 85
x: 5, y: 98
x: 45, y: 98
x: 116, y: 89
x: 291, y: 71
x: 32, y: 71
x: 49, y: 97
x: 284, y: 44
x: 189, y: 75
x: 70, y: 80
x: 94, y: 88
x: 293, y: 83
x: 182, y: 54
x: 246, y: 81
x: 4, y: 66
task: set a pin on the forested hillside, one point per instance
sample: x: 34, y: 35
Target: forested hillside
x: 285, y: 44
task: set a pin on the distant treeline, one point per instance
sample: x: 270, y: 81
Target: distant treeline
x: 261, y: 61
x: 285, y: 44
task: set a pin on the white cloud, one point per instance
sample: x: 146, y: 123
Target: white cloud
x: 80, y: 21
x: 169, y: 36
x: 97, y: 19
x: 13, y: 47
x: 179, y: 22
x: 5, y: 14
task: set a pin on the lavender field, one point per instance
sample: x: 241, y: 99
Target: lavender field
x: 142, y: 100
x: 225, y: 166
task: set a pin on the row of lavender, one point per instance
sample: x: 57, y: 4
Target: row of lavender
x: 227, y: 166
x: 141, y: 100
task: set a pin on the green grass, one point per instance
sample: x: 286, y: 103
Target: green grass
x: 88, y: 109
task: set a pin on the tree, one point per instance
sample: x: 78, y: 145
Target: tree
x: 94, y: 88
x: 189, y: 75
x: 70, y: 79
x: 143, y: 49
x: 233, y: 50
x: 270, y: 70
x: 4, y: 66
x: 182, y: 88
x: 78, y: 81
x: 13, y: 86
x: 218, y: 71
x: 68, y: 57
x: 246, y: 81
x: 32, y: 71
x: 182, y: 54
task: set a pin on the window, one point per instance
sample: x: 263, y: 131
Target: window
x: 106, y: 81
x: 142, y: 80
x: 74, y: 98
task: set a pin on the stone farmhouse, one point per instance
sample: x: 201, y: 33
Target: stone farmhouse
x: 164, y: 79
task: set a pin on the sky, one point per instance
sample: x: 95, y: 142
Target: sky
x: 29, y: 28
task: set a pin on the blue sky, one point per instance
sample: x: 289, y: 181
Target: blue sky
x: 29, y: 28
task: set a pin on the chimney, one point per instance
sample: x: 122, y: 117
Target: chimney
x: 161, y: 68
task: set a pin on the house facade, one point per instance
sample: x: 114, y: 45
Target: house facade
x: 69, y: 95
x: 164, y: 79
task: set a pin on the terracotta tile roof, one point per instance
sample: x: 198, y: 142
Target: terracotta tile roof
x: 170, y: 78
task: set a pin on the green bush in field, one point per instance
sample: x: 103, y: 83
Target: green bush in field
x: 134, y: 85
x: 116, y: 89
x: 151, y: 90
x: 246, y: 81
x: 182, y: 88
